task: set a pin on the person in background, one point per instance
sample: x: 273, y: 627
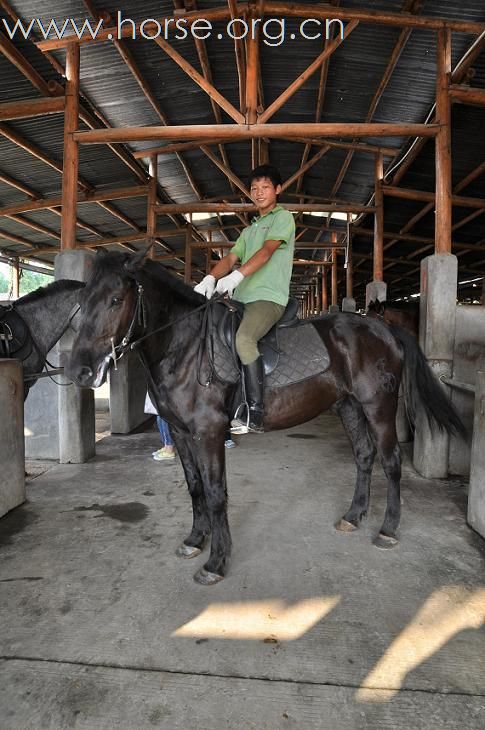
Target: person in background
x: 167, y: 452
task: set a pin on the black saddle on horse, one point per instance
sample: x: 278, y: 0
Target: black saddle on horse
x: 292, y: 350
x: 15, y: 338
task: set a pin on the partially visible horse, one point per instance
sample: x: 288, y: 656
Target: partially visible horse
x: 128, y: 297
x: 35, y: 322
x: 404, y: 314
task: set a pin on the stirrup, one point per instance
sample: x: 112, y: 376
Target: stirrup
x: 238, y: 426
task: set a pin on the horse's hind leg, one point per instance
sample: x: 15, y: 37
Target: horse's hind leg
x: 194, y: 543
x: 355, y: 425
x: 381, y: 418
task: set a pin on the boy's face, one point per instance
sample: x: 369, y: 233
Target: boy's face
x: 264, y: 194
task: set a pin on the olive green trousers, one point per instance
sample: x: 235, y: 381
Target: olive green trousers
x: 257, y: 320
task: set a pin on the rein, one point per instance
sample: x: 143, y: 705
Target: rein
x: 140, y: 318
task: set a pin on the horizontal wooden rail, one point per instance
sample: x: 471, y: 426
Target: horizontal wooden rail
x: 468, y: 95
x: 421, y: 195
x: 250, y: 208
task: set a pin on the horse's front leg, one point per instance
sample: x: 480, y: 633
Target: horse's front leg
x: 212, y: 467
x: 194, y: 543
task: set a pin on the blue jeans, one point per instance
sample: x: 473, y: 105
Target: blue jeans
x: 164, y: 432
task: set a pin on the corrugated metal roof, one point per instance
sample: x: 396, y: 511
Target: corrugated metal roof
x: 355, y: 71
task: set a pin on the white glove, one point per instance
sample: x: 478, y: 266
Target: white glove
x: 206, y: 286
x: 227, y: 284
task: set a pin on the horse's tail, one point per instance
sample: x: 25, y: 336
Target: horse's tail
x: 422, y: 389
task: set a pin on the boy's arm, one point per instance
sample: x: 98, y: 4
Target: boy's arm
x: 227, y: 284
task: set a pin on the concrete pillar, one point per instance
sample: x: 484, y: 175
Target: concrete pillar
x: 127, y: 394
x: 348, y: 304
x: 375, y: 290
x: 333, y: 308
x: 12, y: 459
x: 41, y: 416
x: 476, y: 492
x: 76, y: 405
x: 437, y: 336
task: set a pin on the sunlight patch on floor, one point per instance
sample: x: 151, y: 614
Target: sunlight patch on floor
x: 271, y: 620
x: 445, y: 613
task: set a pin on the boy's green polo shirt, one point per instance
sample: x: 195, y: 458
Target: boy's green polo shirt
x: 272, y: 281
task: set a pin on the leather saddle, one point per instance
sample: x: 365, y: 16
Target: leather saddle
x: 15, y: 337
x: 228, y: 315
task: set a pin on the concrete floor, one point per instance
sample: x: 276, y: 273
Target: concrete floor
x: 103, y: 627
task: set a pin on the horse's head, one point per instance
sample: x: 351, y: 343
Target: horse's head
x: 376, y: 308
x: 108, y: 312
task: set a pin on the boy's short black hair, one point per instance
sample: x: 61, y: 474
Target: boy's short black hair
x: 269, y: 171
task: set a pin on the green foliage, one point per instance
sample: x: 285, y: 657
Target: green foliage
x: 31, y: 280
x: 4, y: 284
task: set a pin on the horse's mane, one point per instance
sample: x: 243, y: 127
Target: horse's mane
x: 54, y: 288
x: 123, y: 263
x: 177, y: 286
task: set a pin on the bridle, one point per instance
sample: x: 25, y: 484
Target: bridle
x: 139, y: 323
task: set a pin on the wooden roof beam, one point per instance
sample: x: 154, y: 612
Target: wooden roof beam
x: 298, y: 175
x: 467, y: 95
x: 288, y: 93
x: 421, y: 195
x: 27, y: 108
x: 373, y: 17
x: 240, y: 59
x: 93, y: 196
x: 207, y: 73
x: 199, y: 79
x: 409, y: 6
x: 283, y: 9
x: 253, y: 131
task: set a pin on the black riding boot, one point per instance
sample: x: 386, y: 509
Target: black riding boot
x: 254, y: 382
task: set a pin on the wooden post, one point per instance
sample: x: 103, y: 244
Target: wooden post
x: 252, y: 52
x: 379, y: 220
x: 188, y: 252
x: 323, y: 273
x: 151, y: 203
x: 15, y: 279
x: 443, y: 208
x: 71, y: 150
x: 349, y: 279
x: 334, y: 270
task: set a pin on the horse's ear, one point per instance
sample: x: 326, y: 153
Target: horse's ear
x: 136, y: 261
x: 101, y: 253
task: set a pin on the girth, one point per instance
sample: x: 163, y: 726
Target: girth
x: 15, y: 338
x: 227, y: 317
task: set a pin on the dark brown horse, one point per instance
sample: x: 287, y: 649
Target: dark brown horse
x: 403, y: 314
x: 128, y: 297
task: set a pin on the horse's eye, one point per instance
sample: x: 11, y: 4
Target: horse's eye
x: 116, y: 301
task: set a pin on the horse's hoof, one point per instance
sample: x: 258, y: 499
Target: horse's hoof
x: 205, y: 578
x: 345, y: 526
x: 187, y: 551
x: 384, y: 542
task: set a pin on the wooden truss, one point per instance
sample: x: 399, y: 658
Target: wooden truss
x: 251, y: 121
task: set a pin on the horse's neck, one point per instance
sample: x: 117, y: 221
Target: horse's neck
x: 47, y: 318
x: 177, y: 339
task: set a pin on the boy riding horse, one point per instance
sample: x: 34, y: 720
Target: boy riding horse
x: 261, y: 283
